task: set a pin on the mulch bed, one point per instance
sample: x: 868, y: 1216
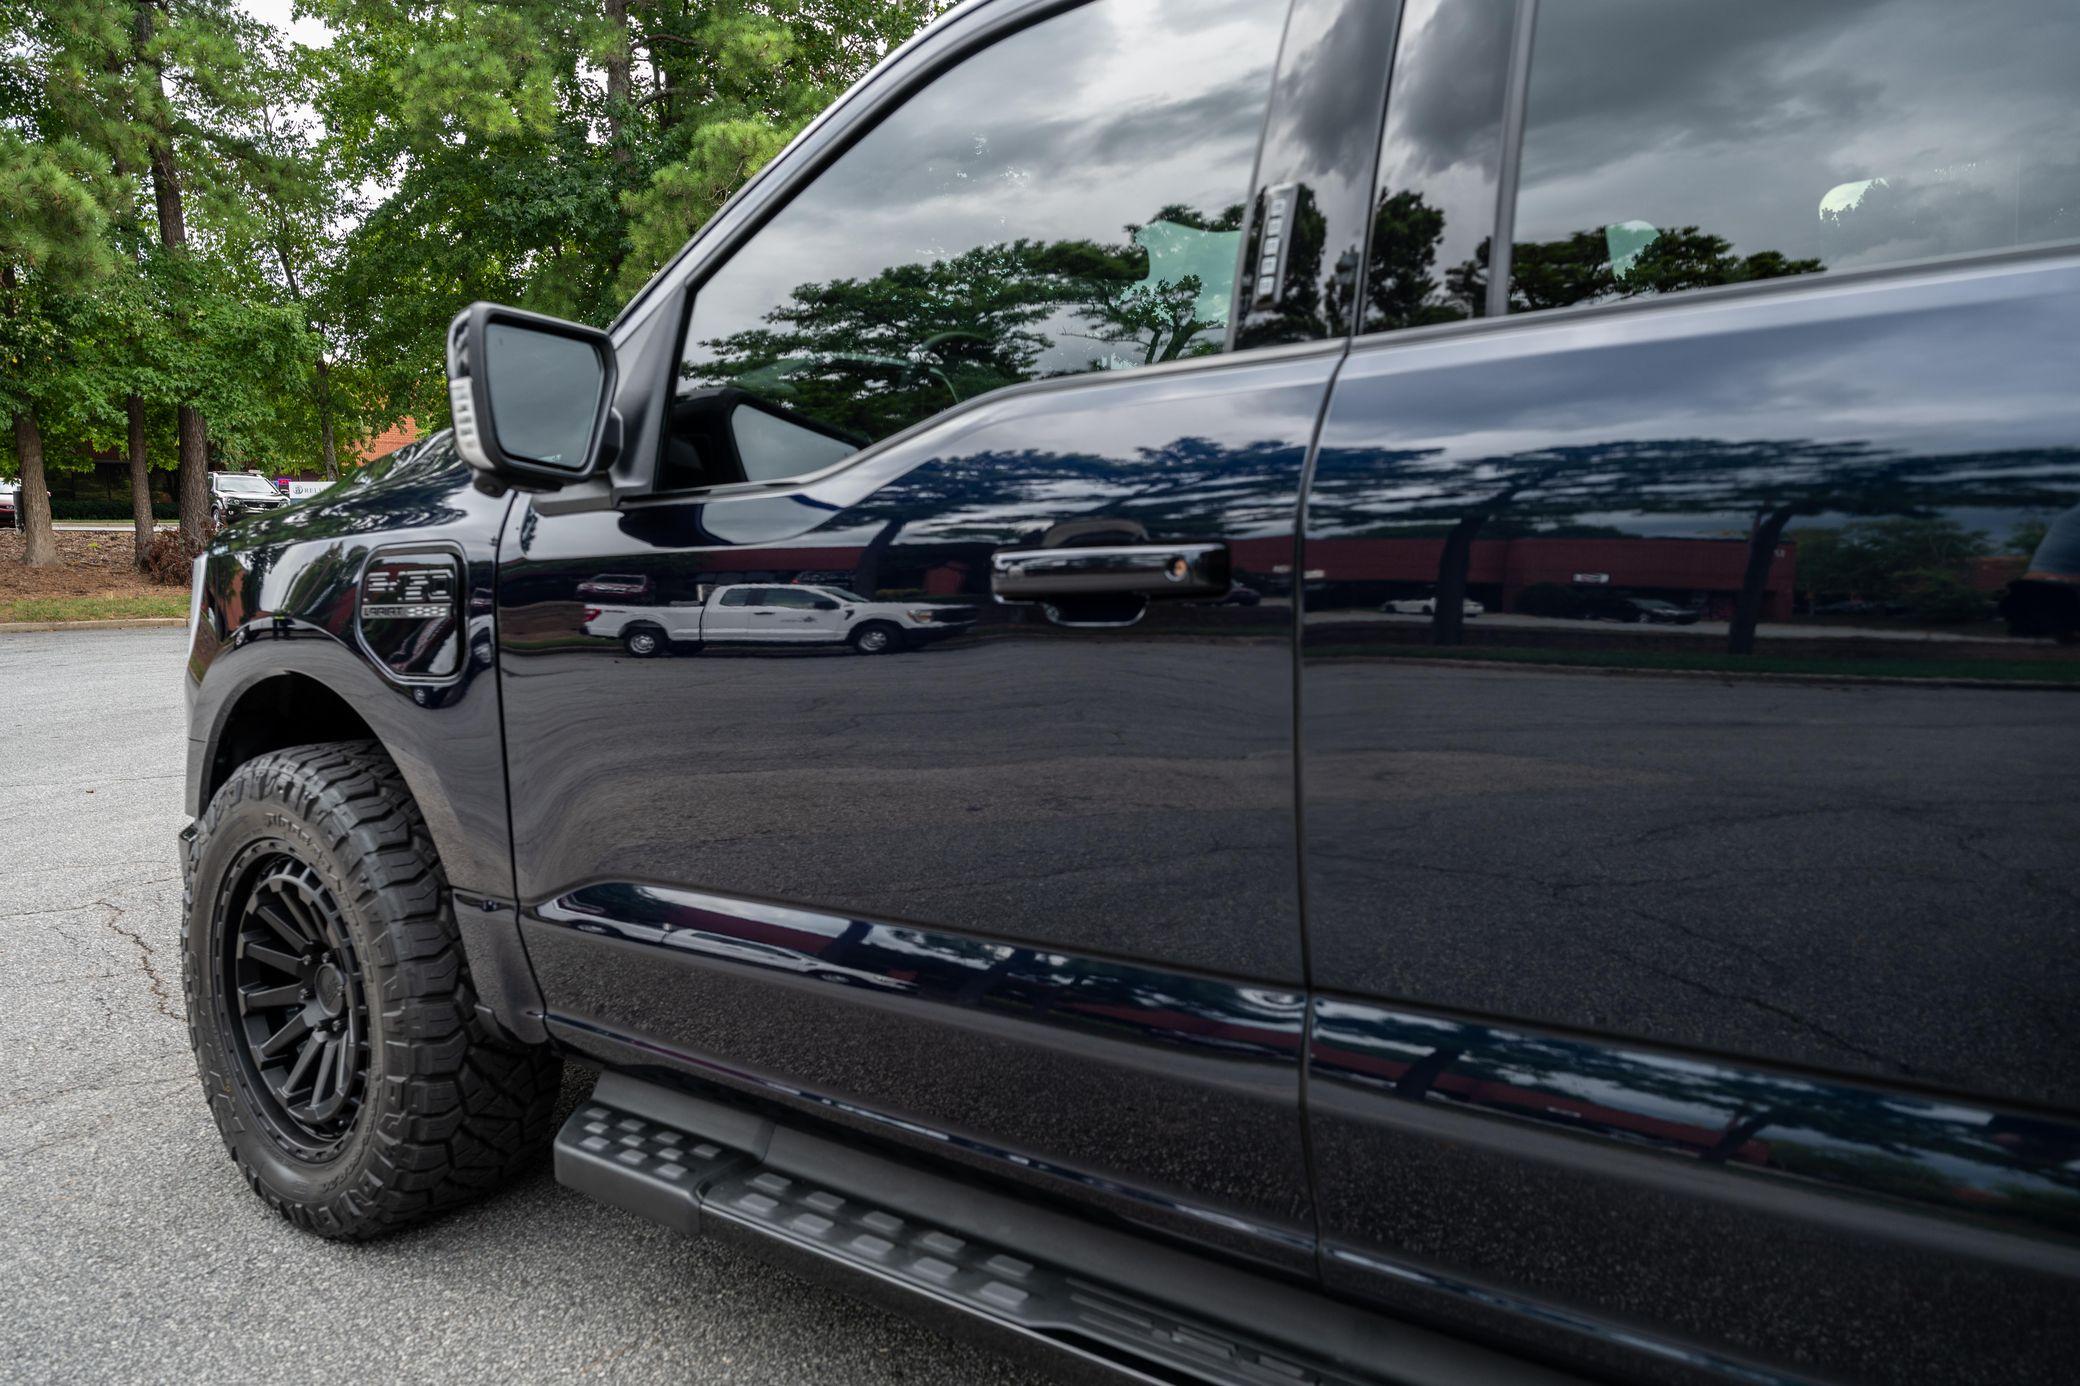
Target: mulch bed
x: 90, y: 563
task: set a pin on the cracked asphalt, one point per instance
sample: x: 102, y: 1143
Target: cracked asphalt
x: 130, y: 1250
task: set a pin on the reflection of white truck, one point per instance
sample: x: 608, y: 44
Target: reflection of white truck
x: 754, y: 614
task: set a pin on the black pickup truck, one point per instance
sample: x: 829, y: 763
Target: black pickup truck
x: 1200, y: 989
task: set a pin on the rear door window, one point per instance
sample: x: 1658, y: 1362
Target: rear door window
x: 1676, y: 145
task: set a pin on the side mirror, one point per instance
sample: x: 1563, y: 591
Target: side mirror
x: 532, y: 397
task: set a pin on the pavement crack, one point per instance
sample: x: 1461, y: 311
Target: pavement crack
x: 161, y: 998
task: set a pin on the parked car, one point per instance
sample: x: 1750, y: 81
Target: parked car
x: 235, y: 495
x: 1427, y: 606
x: 748, y: 614
x: 1585, y: 604
x: 1156, y: 993
x: 10, y: 505
x: 627, y: 587
x: 1645, y: 611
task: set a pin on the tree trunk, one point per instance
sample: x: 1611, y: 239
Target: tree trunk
x: 173, y: 234
x: 866, y: 574
x: 1448, y: 606
x: 1762, y: 552
x: 140, y: 478
x: 34, y: 503
x: 1422, y: 1075
x: 1742, y: 1129
x: 620, y: 90
x: 325, y: 438
x: 194, y: 479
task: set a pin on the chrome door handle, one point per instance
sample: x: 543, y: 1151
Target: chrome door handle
x: 1156, y: 572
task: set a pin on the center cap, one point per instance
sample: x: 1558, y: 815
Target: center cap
x: 331, y: 987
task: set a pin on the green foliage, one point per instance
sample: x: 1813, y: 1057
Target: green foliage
x: 1921, y: 564
x: 531, y: 152
x: 548, y: 155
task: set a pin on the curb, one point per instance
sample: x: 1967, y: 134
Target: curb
x: 136, y: 623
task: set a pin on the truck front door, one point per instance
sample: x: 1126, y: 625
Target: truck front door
x: 1035, y: 884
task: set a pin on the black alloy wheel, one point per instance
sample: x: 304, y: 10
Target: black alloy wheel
x: 302, y: 1014
x: 358, y: 1082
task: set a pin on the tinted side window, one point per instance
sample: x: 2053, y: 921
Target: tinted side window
x: 1069, y: 200
x: 740, y: 596
x: 793, y: 600
x: 1672, y: 146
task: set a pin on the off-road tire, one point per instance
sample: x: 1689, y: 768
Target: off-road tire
x: 447, y: 1111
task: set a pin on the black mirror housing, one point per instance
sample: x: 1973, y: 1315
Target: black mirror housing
x: 532, y: 397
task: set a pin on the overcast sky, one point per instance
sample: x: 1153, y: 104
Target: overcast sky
x: 277, y: 13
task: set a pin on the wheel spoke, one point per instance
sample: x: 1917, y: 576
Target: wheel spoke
x: 322, y: 1084
x: 311, y: 1048
x: 258, y: 998
x: 292, y: 969
x: 274, y: 958
x: 279, y: 1042
x: 299, y: 909
x: 289, y: 929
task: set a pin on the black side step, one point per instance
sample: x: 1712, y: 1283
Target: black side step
x: 719, y: 1182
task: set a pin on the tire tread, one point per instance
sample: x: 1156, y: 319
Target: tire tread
x: 465, y: 1109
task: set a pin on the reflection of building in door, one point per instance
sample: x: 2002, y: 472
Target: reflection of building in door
x: 1702, y: 572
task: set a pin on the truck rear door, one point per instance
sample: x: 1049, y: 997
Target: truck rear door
x: 1695, y: 1001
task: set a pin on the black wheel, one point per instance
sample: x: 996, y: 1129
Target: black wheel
x: 877, y: 637
x: 645, y: 642
x: 329, y: 1006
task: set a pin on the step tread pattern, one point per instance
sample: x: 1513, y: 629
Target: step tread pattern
x: 990, y: 1280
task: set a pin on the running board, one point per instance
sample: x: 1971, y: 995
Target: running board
x: 695, y: 1167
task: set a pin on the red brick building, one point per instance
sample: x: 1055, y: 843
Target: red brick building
x: 1498, y: 570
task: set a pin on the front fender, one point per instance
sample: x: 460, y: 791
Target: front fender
x: 280, y: 596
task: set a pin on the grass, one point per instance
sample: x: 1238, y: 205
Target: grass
x: 2047, y: 671
x: 116, y: 606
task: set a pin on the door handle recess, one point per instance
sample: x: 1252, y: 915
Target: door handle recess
x: 1156, y: 572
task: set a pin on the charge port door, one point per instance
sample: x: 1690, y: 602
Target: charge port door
x: 410, y: 617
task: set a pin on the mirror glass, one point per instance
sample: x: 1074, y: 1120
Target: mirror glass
x: 544, y: 394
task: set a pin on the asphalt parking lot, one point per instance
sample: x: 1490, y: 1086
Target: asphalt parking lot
x: 130, y: 1250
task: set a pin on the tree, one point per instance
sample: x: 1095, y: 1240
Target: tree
x: 1772, y: 480
x: 873, y: 356
x: 551, y: 156
x: 54, y: 201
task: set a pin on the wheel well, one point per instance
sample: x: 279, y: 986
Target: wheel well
x: 285, y: 710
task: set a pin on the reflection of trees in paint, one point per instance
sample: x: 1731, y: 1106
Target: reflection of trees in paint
x: 2016, y: 1168
x: 1189, y: 486
x: 1405, y: 288
x: 1364, y: 491
x: 1920, y: 563
x: 873, y: 356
